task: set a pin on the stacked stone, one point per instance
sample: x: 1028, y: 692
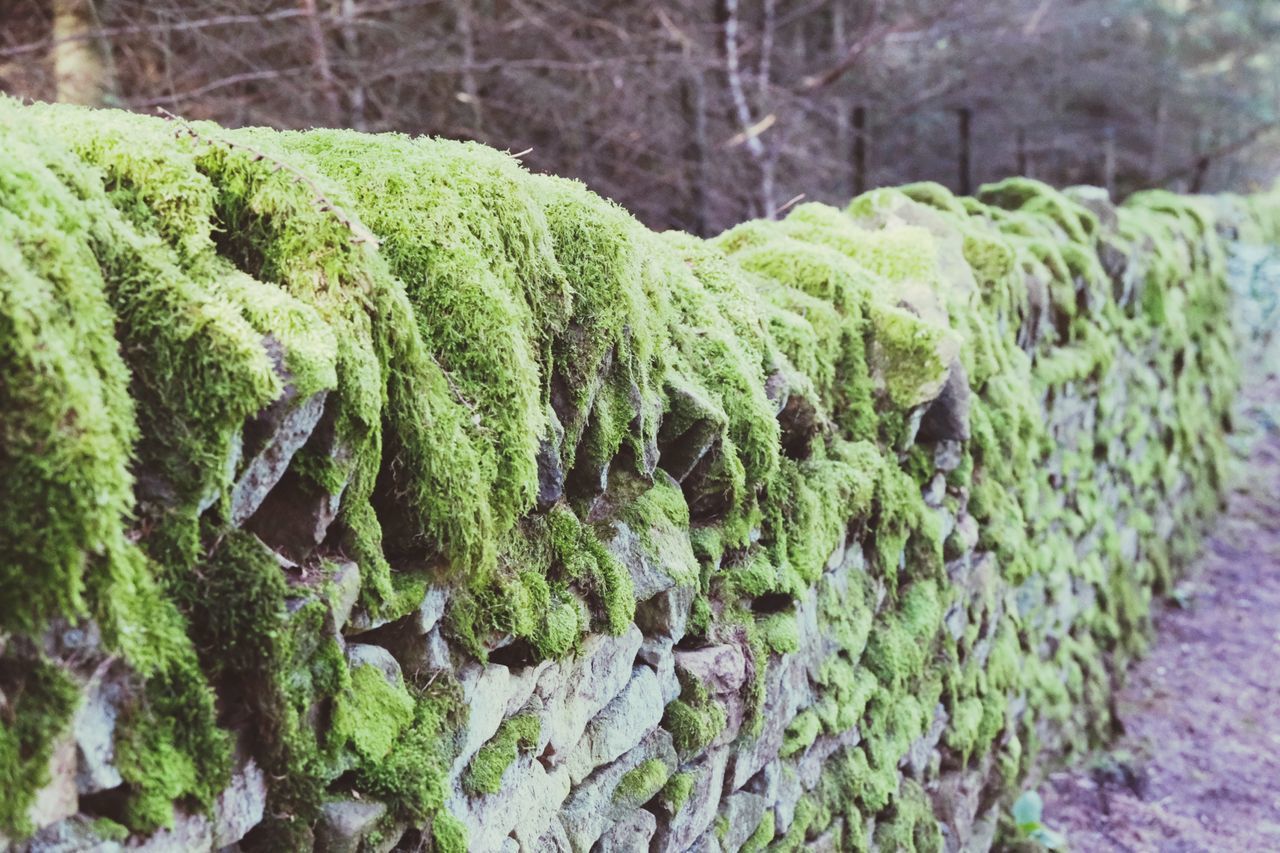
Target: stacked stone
x: 820, y: 534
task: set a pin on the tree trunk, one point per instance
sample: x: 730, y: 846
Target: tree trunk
x: 81, y: 68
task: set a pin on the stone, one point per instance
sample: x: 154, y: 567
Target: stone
x: 935, y: 492
x: 690, y: 430
x: 622, y: 724
x: 189, y: 832
x: 431, y: 611
x: 591, y: 808
x: 786, y: 690
x: 582, y: 685
x: 526, y: 806
x: 809, y: 768
x: 76, y: 834
x: 658, y: 655
x: 550, y: 466
x: 271, y: 438
x: 436, y: 656
x: 742, y: 812
x: 947, y: 455
x: 367, y: 654
x: 493, y: 692
x: 294, y: 516
x: 666, y: 614
x: 648, y: 577
x: 344, y: 591
x: 630, y: 834
x: 789, y: 790
x: 679, y: 833
x: 59, y: 798
x: 510, y: 845
x: 920, y: 753
x: 240, y: 806
x: 344, y: 823
x: 722, y: 669
x: 947, y: 417
x: 554, y: 840
x: 95, y: 731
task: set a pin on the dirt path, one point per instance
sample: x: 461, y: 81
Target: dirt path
x: 1198, y: 765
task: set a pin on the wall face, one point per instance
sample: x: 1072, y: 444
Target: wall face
x: 366, y: 493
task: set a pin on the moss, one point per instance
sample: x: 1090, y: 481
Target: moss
x: 39, y: 712
x: 677, y: 790
x: 484, y: 773
x: 695, y: 719
x: 448, y: 834
x: 800, y: 733
x: 761, y: 835
x: 638, y: 785
x: 373, y: 713
x: 161, y: 289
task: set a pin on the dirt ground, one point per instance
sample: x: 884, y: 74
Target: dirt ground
x: 1197, y: 767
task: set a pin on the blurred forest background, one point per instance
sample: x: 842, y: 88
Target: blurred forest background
x: 696, y: 114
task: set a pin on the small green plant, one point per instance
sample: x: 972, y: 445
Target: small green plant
x: 1028, y: 812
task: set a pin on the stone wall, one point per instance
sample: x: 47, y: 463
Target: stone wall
x: 366, y: 493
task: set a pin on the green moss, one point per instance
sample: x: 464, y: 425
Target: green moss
x: 638, y: 785
x: 695, y: 719
x: 39, y: 712
x: 484, y: 773
x: 677, y: 790
x: 801, y: 733
x: 448, y: 833
x: 161, y: 289
x: 761, y: 835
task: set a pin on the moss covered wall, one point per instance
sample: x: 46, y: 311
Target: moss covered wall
x: 371, y: 493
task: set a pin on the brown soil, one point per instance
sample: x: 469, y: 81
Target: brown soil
x: 1197, y: 767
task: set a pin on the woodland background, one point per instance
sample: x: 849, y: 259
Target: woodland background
x: 696, y: 114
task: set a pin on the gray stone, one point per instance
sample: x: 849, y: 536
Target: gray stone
x: 582, y: 685
x: 631, y: 834
x: 343, y: 824
x: 493, y: 692
x: 666, y: 614
x: 554, y: 840
x: 786, y: 690
x: 550, y: 466
x: 700, y: 809
x: 659, y: 656
x: 648, y: 577
x: 721, y: 669
x: 431, y: 611
x: 526, y: 805
x: 294, y: 516
x: 809, y: 768
x: 742, y: 813
x: 622, y: 724
x: 935, y: 491
x: 947, y: 455
x: 591, y: 808
x: 344, y: 578
x: 510, y: 845
x: 436, y: 656
x: 59, y: 798
x: 240, y: 806
x: 367, y: 654
x: 833, y: 840
x: 95, y: 731
x: 274, y: 435
x: 789, y: 790
x: 189, y: 832
x: 947, y: 418
x: 76, y: 834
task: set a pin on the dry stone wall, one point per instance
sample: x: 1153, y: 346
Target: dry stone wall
x: 370, y: 493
